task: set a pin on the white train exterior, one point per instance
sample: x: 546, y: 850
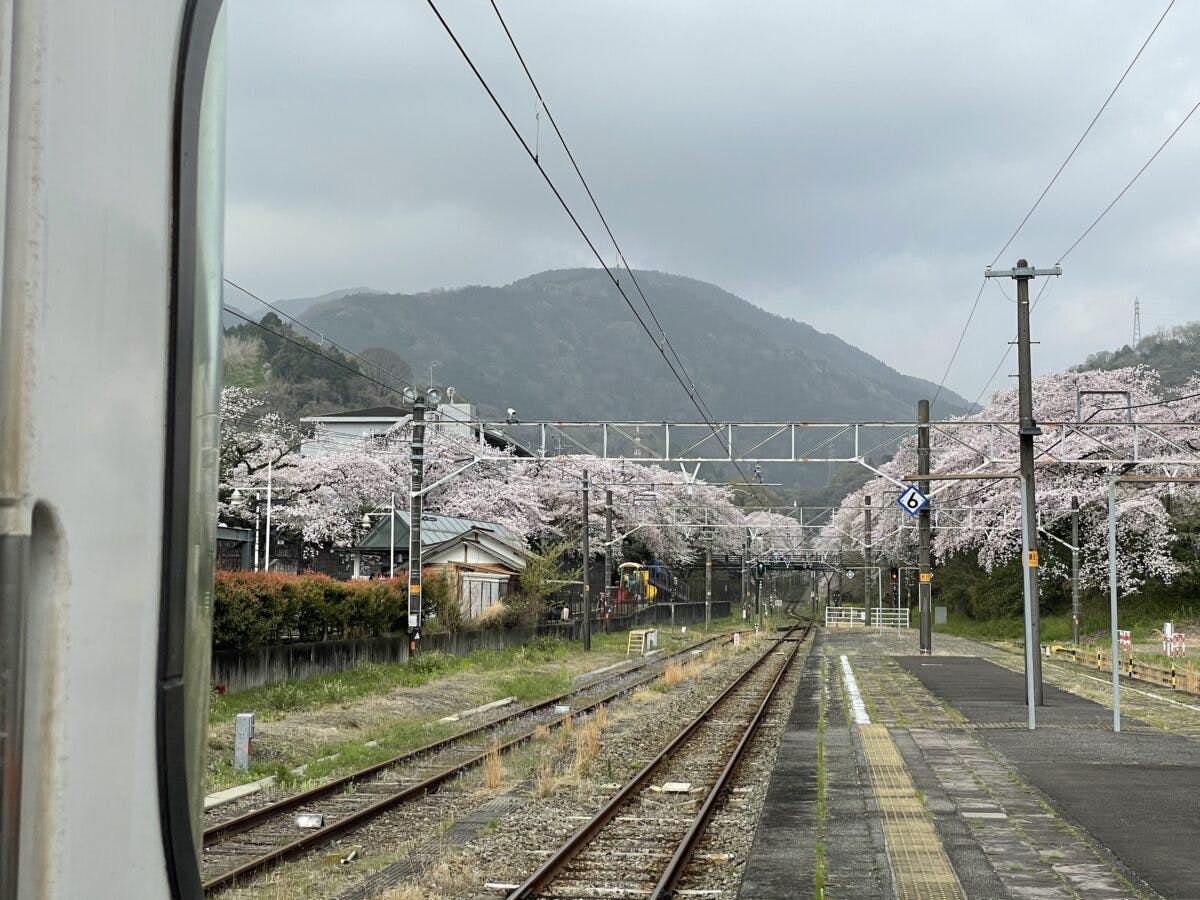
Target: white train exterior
x: 111, y: 227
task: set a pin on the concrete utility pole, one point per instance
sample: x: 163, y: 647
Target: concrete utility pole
x: 1028, y: 431
x: 866, y: 560
x: 758, y: 602
x: 608, y: 542
x: 416, y: 503
x: 587, y: 586
x: 707, y: 586
x: 1023, y: 274
x: 745, y: 573
x: 925, y: 583
x: 1075, y: 570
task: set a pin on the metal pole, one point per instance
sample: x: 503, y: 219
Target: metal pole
x: 925, y: 578
x: 745, y: 573
x: 257, y: 518
x: 758, y: 601
x: 1031, y: 648
x: 1028, y: 431
x: 416, y: 505
x: 608, y: 542
x: 707, y: 587
x: 866, y: 560
x: 392, y: 539
x: 587, y: 584
x: 267, y: 543
x: 1112, y: 602
x: 1075, y: 570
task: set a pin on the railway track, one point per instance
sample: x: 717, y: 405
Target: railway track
x: 641, y: 842
x: 255, y: 841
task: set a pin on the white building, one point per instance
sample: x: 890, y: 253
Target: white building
x: 368, y: 425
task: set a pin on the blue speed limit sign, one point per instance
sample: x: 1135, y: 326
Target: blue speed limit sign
x: 912, y: 501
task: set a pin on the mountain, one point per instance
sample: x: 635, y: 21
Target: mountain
x: 1175, y: 353
x: 295, y: 306
x: 563, y: 345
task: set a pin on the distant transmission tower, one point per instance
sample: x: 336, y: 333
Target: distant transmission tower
x: 1137, y: 322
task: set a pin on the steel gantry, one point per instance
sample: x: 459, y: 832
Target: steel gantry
x: 995, y: 443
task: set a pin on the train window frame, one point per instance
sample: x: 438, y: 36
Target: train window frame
x: 193, y: 371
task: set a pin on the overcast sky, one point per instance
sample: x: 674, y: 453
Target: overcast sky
x: 852, y: 165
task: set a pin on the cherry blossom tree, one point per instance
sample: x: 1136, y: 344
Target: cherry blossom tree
x: 983, y: 517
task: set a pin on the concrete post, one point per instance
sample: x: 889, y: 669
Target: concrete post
x: 243, y: 741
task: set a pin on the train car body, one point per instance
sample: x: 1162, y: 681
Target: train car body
x: 109, y: 327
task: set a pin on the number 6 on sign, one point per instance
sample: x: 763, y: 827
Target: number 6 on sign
x: 912, y: 501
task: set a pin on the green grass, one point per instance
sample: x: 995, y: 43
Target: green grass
x: 1094, y: 634
x: 1054, y: 628
x: 533, y: 687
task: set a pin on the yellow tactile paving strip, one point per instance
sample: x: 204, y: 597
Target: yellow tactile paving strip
x: 920, y: 867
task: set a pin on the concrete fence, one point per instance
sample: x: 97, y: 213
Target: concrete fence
x: 239, y: 670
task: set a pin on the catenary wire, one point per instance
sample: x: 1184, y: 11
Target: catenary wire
x: 595, y: 204
x: 692, y: 393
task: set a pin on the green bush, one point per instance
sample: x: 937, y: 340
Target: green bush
x: 251, y: 609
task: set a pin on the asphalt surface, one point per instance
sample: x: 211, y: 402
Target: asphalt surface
x: 1137, y: 793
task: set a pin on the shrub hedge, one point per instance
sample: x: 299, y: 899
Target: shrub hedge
x: 251, y: 609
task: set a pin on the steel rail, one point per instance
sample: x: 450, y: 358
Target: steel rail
x: 687, y: 845
x: 353, y: 820
x: 560, y: 858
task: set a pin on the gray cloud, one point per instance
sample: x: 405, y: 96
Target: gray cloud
x: 851, y: 165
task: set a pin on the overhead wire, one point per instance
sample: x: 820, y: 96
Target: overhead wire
x: 592, y: 197
x: 692, y: 392
x: 1036, y: 203
x: 1130, y: 183
x: 1086, y: 132
x: 345, y: 351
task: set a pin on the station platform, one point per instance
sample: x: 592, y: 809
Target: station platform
x: 911, y: 776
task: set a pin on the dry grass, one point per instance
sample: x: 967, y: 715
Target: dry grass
x: 674, y: 674
x: 545, y: 779
x: 493, y: 769
x: 447, y: 879
x: 587, y: 745
x: 601, y: 716
x: 541, y: 732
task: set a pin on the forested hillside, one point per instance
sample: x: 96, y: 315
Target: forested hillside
x: 1174, y: 353
x: 563, y: 344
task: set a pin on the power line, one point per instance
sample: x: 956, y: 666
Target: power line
x: 1094, y: 223
x: 692, y: 393
x: 1042, y: 196
x: 591, y: 196
x: 1008, y: 350
x: 1130, y: 184
x: 1086, y: 132
x: 309, y: 349
x: 344, y: 350
x: 961, y: 335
